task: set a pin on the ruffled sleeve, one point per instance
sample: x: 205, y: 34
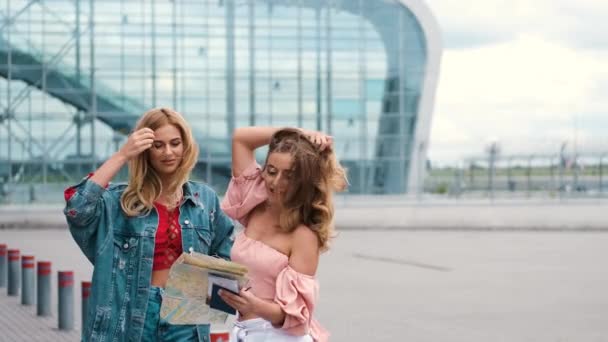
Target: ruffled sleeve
x: 297, y: 294
x: 244, y: 193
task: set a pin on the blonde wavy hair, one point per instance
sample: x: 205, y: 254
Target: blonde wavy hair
x: 145, y: 185
x: 316, y: 176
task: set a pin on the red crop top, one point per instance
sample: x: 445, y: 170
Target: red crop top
x: 168, y: 242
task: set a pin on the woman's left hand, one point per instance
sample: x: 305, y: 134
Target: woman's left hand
x: 320, y: 139
x: 245, y: 302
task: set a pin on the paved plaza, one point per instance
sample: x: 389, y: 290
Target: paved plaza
x: 391, y: 285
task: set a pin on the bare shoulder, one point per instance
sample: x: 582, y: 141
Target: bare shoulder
x: 304, y: 237
x: 304, y: 256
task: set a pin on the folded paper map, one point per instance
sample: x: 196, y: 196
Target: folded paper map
x: 187, y: 292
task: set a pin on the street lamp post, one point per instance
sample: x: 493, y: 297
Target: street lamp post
x: 493, y: 151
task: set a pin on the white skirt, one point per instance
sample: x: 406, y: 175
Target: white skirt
x: 260, y: 330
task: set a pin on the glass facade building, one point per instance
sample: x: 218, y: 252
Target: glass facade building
x: 76, y: 75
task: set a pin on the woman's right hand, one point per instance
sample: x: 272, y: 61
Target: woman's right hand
x: 138, y: 142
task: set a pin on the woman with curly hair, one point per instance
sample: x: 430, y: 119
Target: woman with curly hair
x: 287, y: 211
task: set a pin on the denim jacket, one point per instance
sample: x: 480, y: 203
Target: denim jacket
x: 121, y: 249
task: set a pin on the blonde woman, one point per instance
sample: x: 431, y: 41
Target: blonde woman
x: 133, y: 232
x: 286, y: 208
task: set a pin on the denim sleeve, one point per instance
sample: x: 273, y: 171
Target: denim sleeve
x: 86, y: 214
x: 224, y: 229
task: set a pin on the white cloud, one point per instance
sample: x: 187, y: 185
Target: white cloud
x: 579, y: 23
x: 529, y: 84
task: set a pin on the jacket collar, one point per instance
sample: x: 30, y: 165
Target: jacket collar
x: 192, y: 195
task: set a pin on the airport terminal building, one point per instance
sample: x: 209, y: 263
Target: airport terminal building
x: 76, y: 75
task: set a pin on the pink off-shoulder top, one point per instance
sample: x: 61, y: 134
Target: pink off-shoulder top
x: 270, y: 275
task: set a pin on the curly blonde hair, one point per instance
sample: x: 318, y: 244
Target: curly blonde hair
x: 316, y: 176
x: 145, y: 185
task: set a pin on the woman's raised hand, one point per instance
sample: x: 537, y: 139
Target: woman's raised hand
x: 320, y: 139
x: 138, y: 142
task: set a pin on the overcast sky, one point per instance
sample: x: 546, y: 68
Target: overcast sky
x: 529, y: 74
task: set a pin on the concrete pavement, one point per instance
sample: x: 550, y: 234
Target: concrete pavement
x: 473, y: 286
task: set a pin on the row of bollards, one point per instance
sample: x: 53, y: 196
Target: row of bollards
x: 35, y: 285
x: 36, y: 288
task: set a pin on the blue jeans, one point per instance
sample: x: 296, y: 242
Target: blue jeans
x: 156, y: 329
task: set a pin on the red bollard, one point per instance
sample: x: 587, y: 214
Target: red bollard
x: 43, y: 302
x: 66, y: 299
x: 86, y: 292
x: 28, y: 278
x: 219, y: 336
x: 2, y: 265
x: 14, y: 272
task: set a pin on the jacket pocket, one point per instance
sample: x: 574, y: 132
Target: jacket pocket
x: 203, y: 235
x: 125, y: 251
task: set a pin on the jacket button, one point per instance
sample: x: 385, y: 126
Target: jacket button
x: 187, y: 222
